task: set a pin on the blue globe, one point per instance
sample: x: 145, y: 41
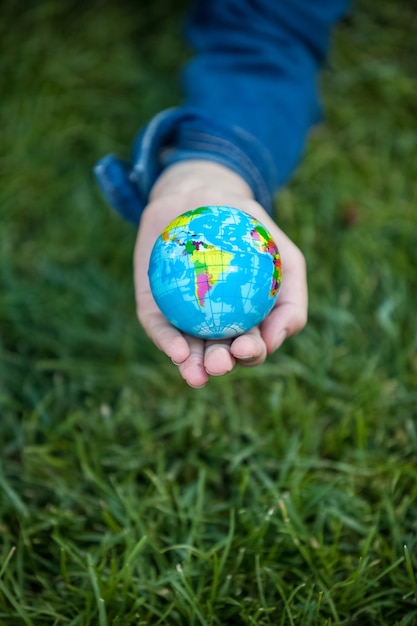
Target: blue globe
x: 215, y: 272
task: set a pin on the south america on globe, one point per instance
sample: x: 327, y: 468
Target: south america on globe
x: 215, y: 272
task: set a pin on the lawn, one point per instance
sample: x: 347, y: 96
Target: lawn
x: 280, y: 495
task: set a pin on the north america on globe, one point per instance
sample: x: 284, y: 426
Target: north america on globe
x: 215, y: 272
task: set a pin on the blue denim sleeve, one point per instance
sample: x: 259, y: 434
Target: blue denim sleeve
x: 250, y: 97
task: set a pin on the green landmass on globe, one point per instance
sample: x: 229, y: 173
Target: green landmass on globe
x: 215, y: 272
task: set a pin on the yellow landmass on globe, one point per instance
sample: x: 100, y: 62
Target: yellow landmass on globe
x: 209, y: 263
x: 180, y: 222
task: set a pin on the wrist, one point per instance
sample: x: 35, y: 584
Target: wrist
x: 212, y: 181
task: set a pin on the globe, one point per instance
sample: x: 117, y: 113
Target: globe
x: 215, y: 272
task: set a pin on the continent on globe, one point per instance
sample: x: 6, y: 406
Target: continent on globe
x: 209, y: 265
x: 265, y: 243
x: 215, y: 272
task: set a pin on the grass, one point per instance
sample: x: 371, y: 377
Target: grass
x: 283, y: 495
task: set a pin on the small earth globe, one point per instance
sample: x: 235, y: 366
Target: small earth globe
x: 215, y: 272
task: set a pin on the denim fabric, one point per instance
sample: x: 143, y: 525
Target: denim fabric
x: 250, y: 97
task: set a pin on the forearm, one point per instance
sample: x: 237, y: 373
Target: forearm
x: 250, y: 97
x: 255, y: 73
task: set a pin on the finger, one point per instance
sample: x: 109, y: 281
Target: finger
x: 289, y: 315
x: 249, y: 349
x: 165, y: 336
x: 185, y: 351
x: 192, y: 369
x: 217, y: 357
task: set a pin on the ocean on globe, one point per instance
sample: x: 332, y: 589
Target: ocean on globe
x: 215, y: 272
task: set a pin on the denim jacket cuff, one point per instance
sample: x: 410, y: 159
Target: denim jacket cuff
x: 177, y: 135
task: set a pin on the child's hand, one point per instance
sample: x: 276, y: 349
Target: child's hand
x: 185, y: 186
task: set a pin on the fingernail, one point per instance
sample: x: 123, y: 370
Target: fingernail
x: 247, y: 358
x: 177, y: 362
x: 217, y: 373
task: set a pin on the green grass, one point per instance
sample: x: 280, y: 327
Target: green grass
x: 282, y: 495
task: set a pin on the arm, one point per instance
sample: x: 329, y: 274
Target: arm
x: 250, y: 99
x: 252, y: 86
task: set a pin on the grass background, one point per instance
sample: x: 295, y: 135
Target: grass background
x: 285, y: 494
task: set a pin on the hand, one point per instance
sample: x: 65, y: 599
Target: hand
x: 185, y: 186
